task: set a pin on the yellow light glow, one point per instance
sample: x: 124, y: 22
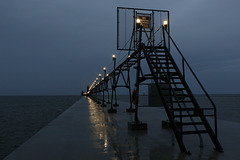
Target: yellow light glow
x: 165, y: 22
x: 102, y: 79
x: 104, y: 68
x: 99, y: 75
x: 113, y: 56
x: 96, y: 79
x: 107, y: 75
x: 138, y: 20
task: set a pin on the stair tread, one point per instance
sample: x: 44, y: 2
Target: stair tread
x: 195, y: 132
x: 182, y: 101
x: 178, y: 95
x: 192, y: 123
x: 184, y: 109
x: 186, y: 115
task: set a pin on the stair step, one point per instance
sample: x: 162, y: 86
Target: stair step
x: 155, y: 51
x: 182, y: 101
x: 159, y: 58
x: 186, y: 115
x: 183, y: 109
x: 179, y: 89
x: 159, y: 55
x: 195, y: 132
x: 192, y: 123
x: 178, y: 95
x: 163, y: 67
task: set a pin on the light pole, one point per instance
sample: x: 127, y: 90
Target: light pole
x: 96, y: 88
x: 138, y: 125
x: 114, y: 80
x: 104, y: 83
x: 108, y: 102
x: 111, y: 110
x: 99, y: 89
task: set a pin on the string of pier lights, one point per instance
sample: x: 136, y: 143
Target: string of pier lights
x: 97, y: 81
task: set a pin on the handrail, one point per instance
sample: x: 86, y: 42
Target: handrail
x: 195, y: 76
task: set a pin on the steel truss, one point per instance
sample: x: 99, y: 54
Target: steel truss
x: 180, y: 104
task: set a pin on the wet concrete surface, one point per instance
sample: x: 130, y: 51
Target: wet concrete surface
x: 87, y: 131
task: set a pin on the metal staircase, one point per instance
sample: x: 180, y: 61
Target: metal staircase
x: 183, y: 110
x: 150, y: 40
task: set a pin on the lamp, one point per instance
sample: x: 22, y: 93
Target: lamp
x: 165, y: 23
x: 114, y: 57
x: 138, y: 20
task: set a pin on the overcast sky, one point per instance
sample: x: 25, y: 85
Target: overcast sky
x: 57, y: 47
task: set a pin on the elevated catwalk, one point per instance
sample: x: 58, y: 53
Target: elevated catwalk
x: 87, y: 131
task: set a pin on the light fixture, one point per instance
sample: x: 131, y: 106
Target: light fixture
x: 99, y: 75
x: 165, y: 23
x: 138, y: 20
x: 113, y: 56
x: 104, y: 68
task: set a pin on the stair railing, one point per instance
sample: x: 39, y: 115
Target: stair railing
x: 185, y: 63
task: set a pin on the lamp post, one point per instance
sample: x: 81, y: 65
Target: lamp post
x: 111, y: 110
x: 104, y: 83
x: 99, y: 89
x: 165, y: 27
x: 108, y: 102
x: 138, y: 124
x: 96, y: 88
x: 114, y: 80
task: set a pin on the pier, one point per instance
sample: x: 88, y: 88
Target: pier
x: 155, y: 58
x: 88, y: 131
x: 101, y: 126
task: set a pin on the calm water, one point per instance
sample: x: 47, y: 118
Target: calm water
x: 22, y: 116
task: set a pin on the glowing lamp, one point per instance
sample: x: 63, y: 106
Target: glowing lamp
x: 138, y: 20
x: 165, y: 23
x: 113, y: 56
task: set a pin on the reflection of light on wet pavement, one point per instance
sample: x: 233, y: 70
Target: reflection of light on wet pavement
x: 87, y: 131
x: 110, y: 133
x: 98, y: 126
x: 105, y: 145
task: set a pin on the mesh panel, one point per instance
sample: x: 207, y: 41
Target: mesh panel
x: 127, y: 31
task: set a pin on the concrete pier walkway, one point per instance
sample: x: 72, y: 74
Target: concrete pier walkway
x: 87, y: 131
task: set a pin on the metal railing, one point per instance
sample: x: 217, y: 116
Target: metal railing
x: 186, y: 65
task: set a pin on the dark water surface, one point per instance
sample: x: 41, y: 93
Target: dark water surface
x: 22, y: 116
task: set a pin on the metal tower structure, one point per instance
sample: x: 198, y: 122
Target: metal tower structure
x: 145, y: 35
